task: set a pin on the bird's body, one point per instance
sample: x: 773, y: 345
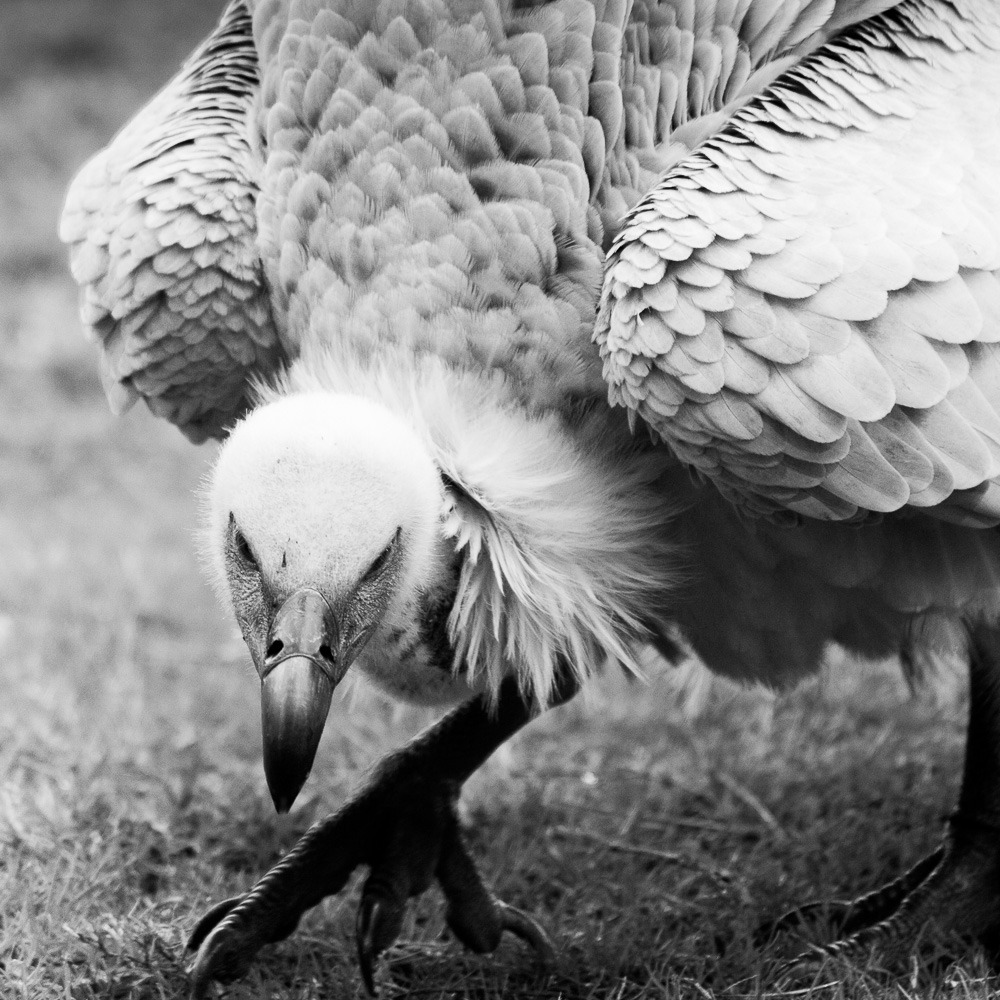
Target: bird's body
x: 421, y: 252
x: 410, y: 207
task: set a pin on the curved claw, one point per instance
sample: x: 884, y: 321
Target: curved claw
x: 846, y: 917
x: 366, y: 936
x: 404, y: 827
x: 218, y: 959
x: 210, y: 921
x: 807, y: 963
x: 805, y: 968
x: 527, y: 929
x: 836, y: 912
x: 378, y: 925
x: 227, y: 942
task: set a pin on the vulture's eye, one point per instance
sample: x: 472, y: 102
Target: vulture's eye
x: 243, y: 549
x: 382, y: 559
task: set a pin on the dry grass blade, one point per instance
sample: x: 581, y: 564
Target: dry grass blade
x: 670, y: 857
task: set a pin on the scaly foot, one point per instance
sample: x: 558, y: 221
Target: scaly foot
x: 408, y: 839
x: 951, y: 895
x: 403, y: 826
x: 845, y: 916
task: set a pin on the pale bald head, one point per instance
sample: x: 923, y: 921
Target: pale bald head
x: 318, y: 484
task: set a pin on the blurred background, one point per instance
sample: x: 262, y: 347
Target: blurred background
x: 649, y: 827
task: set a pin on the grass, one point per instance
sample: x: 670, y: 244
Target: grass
x: 649, y: 838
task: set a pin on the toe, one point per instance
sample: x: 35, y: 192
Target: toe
x: 474, y: 915
x: 805, y: 970
x: 210, y: 921
x: 219, y: 958
x: 847, y: 917
x: 404, y: 867
x: 527, y: 929
x: 380, y: 918
x: 804, y: 919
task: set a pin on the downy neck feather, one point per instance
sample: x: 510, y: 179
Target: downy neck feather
x: 564, y: 529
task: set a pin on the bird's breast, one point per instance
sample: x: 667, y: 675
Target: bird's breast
x: 413, y: 656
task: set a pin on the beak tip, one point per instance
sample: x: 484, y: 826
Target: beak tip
x: 284, y: 793
x: 282, y: 803
x: 295, y: 700
x: 286, y: 773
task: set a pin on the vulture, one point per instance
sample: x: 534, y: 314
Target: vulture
x: 540, y: 333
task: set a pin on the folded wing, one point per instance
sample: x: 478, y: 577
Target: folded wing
x: 162, y: 230
x: 807, y: 308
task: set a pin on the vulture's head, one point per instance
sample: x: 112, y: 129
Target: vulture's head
x: 323, y: 518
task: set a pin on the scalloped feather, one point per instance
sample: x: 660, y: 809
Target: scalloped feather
x: 858, y: 214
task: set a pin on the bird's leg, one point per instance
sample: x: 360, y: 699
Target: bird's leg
x: 403, y: 825
x: 953, y: 893
x: 845, y: 916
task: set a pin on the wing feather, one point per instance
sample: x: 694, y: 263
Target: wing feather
x: 963, y: 450
x: 162, y: 232
x: 919, y: 374
x: 865, y: 478
x: 909, y: 461
x: 850, y: 382
x: 832, y: 293
x: 743, y: 371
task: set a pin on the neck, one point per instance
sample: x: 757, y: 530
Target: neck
x: 560, y: 527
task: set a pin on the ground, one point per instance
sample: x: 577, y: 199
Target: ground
x: 648, y: 829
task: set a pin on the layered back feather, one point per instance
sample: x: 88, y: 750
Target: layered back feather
x: 565, y: 114
x: 789, y: 303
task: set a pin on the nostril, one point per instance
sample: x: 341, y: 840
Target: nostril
x: 274, y: 649
x: 326, y: 652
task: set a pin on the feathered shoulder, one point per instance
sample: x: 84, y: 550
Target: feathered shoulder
x: 162, y: 230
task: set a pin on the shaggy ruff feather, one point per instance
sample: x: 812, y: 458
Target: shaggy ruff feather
x: 567, y: 559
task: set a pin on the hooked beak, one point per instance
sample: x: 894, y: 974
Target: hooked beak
x: 304, y: 663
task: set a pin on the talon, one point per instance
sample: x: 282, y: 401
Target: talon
x: 805, y: 965
x: 528, y: 930
x: 402, y: 826
x: 365, y: 938
x: 836, y: 912
x: 215, y: 961
x: 846, y: 917
x: 380, y: 919
x: 201, y: 978
x: 210, y: 921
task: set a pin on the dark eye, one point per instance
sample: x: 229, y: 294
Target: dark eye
x: 243, y: 549
x: 382, y: 560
